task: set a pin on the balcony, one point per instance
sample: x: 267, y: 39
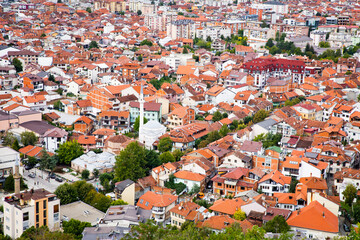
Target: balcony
x: 159, y: 219
x: 158, y: 211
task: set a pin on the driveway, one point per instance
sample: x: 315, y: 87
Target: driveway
x: 41, y: 180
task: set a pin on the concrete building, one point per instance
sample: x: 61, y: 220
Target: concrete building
x: 81, y: 211
x: 183, y: 28
x: 8, y: 158
x: 125, y: 190
x: 31, y: 208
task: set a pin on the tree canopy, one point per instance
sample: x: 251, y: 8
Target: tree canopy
x: 130, y: 163
x: 75, y: 227
x: 28, y: 138
x: 350, y: 193
x: 165, y: 144
x: 167, y: 157
x: 137, y: 123
x: 277, y: 225
x: 69, y: 151
x: 18, y: 65
x: 43, y: 233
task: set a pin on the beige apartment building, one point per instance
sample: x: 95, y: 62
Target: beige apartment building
x: 114, y: 6
x: 30, y: 208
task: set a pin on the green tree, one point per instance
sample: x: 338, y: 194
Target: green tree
x: 96, y: 173
x: 43, y: 233
x: 75, y: 227
x: 185, y: 51
x: 139, y: 12
x: 224, y: 130
x: 140, y: 58
x: 28, y: 138
x: 324, y: 44
x: 43, y: 35
x: 88, y: 9
x: 98, y: 200
x: 44, y: 159
x: 137, y: 123
x: 152, y: 159
x: 194, y: 189
x: 10, y: 138
x: 57, y: 105
x: 18, y: 65
x: 67, y: 193
x: 85, y: 174
x: 129, y: 163
x: 82, y: 189
x: 350, y: 194
x: 15, y: 145
x: 260, y: 116
x: 217, y: 116
x: 166, y: 157
x: 118, y: 202
x: 177, y: 153
x: 165, y: 144
x: 208, y: 39
x: 93, y: 44
x: 277, y: 225
x: 68, y: 151
x: 240, y: 215
x: 293, y: 184
x: 146, y: 42
x: 51, y: 78
x: 9, y: 183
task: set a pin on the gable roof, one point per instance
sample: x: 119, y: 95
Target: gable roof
x: 314, y: 216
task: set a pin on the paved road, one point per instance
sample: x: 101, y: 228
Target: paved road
x: 40, y: 180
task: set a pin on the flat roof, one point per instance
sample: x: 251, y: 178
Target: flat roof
x: 82, y: 212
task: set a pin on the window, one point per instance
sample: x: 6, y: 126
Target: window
x: 45, y: 222
x: 44, y: 204
x: 37, y: 207
x: 26, y: 216
x: 44, y: 213
x: 147, y: 204
x: 37, y: 218
x: 141, y: 201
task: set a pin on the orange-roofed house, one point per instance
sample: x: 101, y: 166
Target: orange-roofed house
x: 180, y: 116
x: 114, y: 119
x: 232, y: 181
x: 218, y: 94
x: 159, y: 204
x: 220, y: 223
x: 187, y: 211
x: 274, y: 182
x: 225, y: 206
x: 190, y: 179
x: 87, y: 142
x: 83, y: 124
x: 162, y: 173
x: 315, y: 221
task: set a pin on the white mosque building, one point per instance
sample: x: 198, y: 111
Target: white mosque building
x: 152, y: 130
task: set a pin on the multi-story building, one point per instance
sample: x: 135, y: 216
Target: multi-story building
x: 26, y: 55
x: 263, y: 69
x: 159, y: 22
x: 31, y: 208
x: 152, y: 111
x: 213, y: 32
x: 114, y: 119
x: 111, y: 5
x: 180, y: 116
x: 232, y: 182
x: 183, y: 28
x: 159, y: 204
x: 8, y: 158
x: 274, y: 182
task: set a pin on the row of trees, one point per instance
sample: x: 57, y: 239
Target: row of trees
x: 26, y: 138
x: 151, y: 231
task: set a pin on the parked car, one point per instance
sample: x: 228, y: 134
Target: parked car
x: 32, y: 175
x: 59, y: 179
x: 28, y: 167
x: 52, y: 176
x: 346, y: 228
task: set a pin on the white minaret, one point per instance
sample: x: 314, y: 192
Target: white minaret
x: 141, y: 101
x: 17, y: 176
